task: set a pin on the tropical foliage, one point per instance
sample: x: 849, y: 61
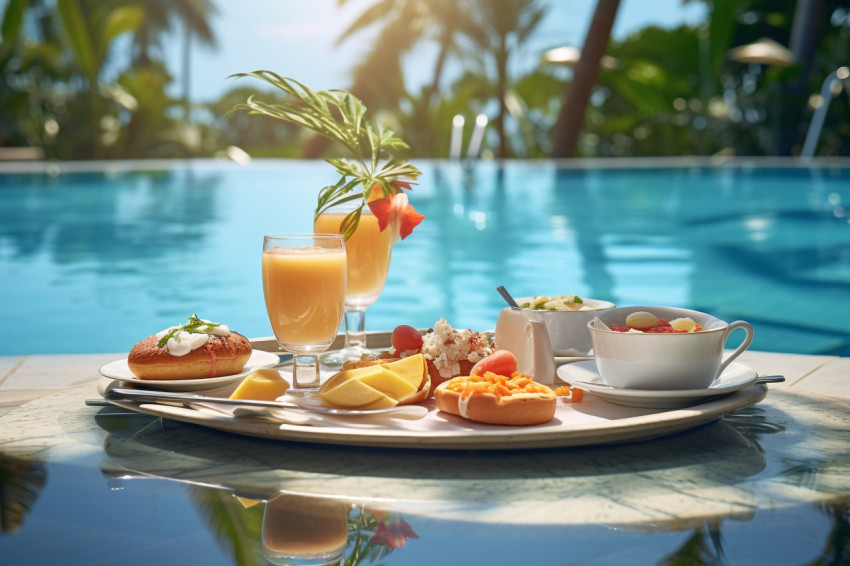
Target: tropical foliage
x: 86, y: 79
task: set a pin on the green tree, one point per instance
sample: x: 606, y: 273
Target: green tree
x: 497, y: 28
x: 90, y: 28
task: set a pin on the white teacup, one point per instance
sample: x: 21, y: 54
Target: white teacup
x: 568, y: 329
x: 664, y: 361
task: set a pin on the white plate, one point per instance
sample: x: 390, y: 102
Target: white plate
x: 584, y: 375
x: 120, y: 370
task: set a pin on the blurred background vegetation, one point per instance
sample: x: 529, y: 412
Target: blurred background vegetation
x: 86, y: 79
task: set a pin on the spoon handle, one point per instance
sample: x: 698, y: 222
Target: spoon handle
x: 507, y: 296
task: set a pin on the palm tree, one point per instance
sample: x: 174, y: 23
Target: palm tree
x: 498, y: 27
x: 160, y: 19
x: 379, y: 78
x: 91, y: 28
x: 571, y: 117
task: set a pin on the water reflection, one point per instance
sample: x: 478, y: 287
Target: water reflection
x: 21, y: 482
x: 303, y: 530
x: 707, y: 496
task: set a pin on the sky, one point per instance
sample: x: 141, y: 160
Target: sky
x: 297, y: 38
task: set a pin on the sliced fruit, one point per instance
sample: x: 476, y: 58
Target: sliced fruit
x: 261, y: 385
x: 389, y: 383
x: 354, y: 393
x: 413, y: 369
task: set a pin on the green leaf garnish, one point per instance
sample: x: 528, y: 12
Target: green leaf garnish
x: 525, y: 305
x: 194, y: 325
x: 339, y: 116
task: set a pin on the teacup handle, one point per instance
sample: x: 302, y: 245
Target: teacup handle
x: 740, y: 350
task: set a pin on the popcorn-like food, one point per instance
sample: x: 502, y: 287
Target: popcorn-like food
x: 448, y: 348
x: 644, y: 322
x: 497, y: 399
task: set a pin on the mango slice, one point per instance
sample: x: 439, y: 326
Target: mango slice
x: 412, y: 369
x: 389, y: 383
x: 354, y: 393
x: 376, y: 386
x: 261, y: 385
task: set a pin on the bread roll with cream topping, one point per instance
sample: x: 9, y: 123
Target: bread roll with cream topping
x: 196, y: 355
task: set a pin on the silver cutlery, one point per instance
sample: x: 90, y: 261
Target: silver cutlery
x: 138, y: 396
x: 508, y: 298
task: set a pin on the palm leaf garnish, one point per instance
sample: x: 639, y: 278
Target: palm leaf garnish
x: 341, y: 117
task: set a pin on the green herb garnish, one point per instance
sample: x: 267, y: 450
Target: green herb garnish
x: 339, y: 116
x: 525, y: 305
x: 194, y: 325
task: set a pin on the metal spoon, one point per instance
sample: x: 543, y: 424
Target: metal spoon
x: 508, y: 298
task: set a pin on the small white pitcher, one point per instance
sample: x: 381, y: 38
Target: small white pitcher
x: 529, y: 341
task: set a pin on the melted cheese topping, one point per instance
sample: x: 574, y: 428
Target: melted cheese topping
x: 498, y: 385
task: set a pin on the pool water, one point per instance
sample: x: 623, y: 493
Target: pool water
x: 93, y: 259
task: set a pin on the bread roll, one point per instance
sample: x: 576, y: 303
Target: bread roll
x: 493, y: 399
x: 221, y: 355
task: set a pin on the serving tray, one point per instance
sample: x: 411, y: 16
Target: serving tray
x: 593, y: 421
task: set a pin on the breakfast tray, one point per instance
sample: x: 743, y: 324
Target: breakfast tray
x: 592, y: 421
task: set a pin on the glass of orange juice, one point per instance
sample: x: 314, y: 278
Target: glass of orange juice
x: 304, y: 280
x: 369, y: 251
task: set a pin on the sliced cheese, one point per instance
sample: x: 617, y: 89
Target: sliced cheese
x: 261, y: 385
x: 354, y: 393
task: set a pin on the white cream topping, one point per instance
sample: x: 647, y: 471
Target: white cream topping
x: 182, y: 342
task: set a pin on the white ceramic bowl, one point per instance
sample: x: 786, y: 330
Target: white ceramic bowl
x: 663, y: 361
x: 568, y: 329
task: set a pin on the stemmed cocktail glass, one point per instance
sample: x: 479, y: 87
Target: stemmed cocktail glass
x: 369, y: 250
x: 304, y: 282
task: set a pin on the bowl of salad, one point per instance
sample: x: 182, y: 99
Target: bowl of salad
x: 566, y: 318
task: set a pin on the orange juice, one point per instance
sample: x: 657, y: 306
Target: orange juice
x: 305, y: 290
x: 368, y: 251
x: 299, y: 526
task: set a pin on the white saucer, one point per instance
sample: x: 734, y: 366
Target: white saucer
x: 121, y: 371
x: 584, y: 375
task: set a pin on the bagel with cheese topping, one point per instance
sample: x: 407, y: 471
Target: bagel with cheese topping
x: 497, y: 399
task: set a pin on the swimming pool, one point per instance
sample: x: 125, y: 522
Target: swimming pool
x: 94, y: 258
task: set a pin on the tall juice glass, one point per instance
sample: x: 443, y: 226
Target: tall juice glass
x: 304, y: 285
x: 369, y: 251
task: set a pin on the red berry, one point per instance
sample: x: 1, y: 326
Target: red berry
x: 406, y: 338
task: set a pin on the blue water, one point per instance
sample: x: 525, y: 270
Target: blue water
x: 95, y: 261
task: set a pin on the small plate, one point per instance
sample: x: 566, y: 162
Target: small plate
x: 584, y: 375
x: 120, y: 370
